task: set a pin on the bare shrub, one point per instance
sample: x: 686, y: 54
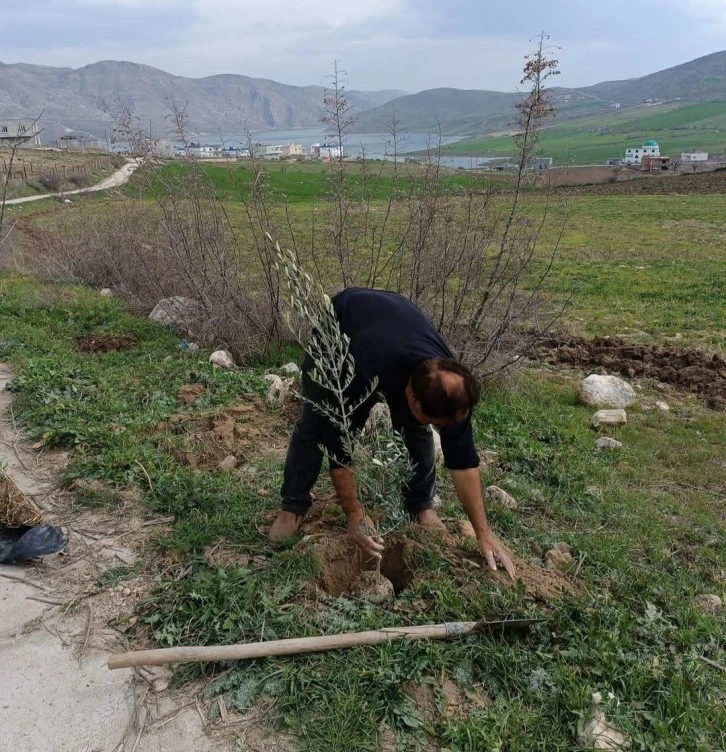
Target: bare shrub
x: 50, y: 180
x: 80, y: 180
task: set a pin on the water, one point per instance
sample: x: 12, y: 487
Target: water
x: 372, y: 145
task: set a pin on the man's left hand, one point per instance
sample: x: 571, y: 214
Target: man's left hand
x: 492, y: 551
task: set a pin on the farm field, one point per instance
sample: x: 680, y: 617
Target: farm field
x: 594, y: 140
x: 644, y: 523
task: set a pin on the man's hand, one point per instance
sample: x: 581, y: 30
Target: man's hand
x: 362, y: 531
x: 492, y: 551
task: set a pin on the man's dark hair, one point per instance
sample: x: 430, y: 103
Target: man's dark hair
x: 429, y: 389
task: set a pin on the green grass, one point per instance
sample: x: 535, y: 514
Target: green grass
x: 594, y: 140
x: 645, y: 522
x: 297, y: 183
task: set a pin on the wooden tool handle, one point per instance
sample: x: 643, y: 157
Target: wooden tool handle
x: 286, y: 647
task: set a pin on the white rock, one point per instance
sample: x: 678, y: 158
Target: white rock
x: 607, y: 443
x: 437, y: 501
x: 228, y: 463
x: 290, y: 369
x: 379, y: 419
x: 222, y: 359
x: 709, y: 603
x: 559, y: 557
x: 67, y: 201
x: 438, y: 451
x: 499, y: 496
x: 599, y: 734
x: 176, y: 312
x: 605, y: 391
x: 107, y: 292
x: 488, y: 458
x: 279, y: 388
x: 609, y: 418
x: 663, y: 406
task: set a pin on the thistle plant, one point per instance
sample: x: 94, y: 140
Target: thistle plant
x: 380, y: 458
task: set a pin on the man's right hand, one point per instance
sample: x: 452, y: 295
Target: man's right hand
x: 362, y: 531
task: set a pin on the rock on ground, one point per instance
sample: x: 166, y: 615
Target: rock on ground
x: 379, y: 419
x: 599, y: 734
x: 662, y: 406
x: 290, y: 369
x: 488, y: 458
x: 609, y: 418
x: 559, y: 556
x: 107, y: 292
x: 222, y: 359
x: 438, y: 451
x: 709, y: 603
x: 605, y: 442
x: 228, y: 464
x: 176, y: 312
x: 499, y: 496
x: 279, y: 389
x: 605, y: 391
x: 374, y: 587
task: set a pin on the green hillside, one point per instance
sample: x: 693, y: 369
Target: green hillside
x: 594, y: 140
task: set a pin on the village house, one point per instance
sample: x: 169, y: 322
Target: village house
x: 14, y: 132
x: 206, y: 150
x: 635, y: 156
x: 282, y: 151
x: 541, y: 163
x: 326, y: 152
x: 693, y: 157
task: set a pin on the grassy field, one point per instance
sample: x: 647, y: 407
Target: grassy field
x: 594, y: 140
x: 643, y: 523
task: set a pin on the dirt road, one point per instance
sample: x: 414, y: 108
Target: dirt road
x: 119, y: 178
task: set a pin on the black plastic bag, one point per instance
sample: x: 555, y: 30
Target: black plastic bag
x: 22, y: 543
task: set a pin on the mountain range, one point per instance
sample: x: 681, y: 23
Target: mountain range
x: 88, y: 100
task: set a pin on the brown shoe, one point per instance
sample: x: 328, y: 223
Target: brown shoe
x: 285, y: 526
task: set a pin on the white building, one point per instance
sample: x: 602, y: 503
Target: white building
x: 326, y: 152
x: 635, y: 156
x: 542, y: 163
x: 283, y: 151
x: 14, y: 132
x: 691, y: 157
x: 208, y: 150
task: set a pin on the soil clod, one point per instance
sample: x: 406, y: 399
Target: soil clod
x: 103, y: 343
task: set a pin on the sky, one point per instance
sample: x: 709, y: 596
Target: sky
x: 381, y: 44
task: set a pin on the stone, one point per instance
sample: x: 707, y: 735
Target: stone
x: 192, y: 347
x: 559, y: 557
x: 605, y: 391
x: 438, y: 451
x: 290, y: 369
x: 107, y: 292
x: 222, y: 359
x: 499, y: 496
x: 488, y: 458
x: 279, y: 389
x: 228, y: 464
x: 662, y: 406
x: 437, y: 501
x: 374, y: 587
x: 709, y: 603
x: 176, y: 312
x: 597, y: 733
x: 609, y: 418
x: 466, y: 529
x: 379, y: 419
x: 605, y: 442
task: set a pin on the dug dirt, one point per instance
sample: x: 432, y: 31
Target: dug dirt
x: 103, y: 343
x: 688, y: 370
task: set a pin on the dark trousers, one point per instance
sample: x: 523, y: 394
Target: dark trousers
x: 313, y: 431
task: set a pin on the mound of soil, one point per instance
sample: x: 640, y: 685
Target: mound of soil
x: 695, y: 183
x: 687, y: 369
x: 102, y: 343
x: 245, y: 430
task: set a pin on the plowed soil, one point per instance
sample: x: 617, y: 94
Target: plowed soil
x: 689, y: 370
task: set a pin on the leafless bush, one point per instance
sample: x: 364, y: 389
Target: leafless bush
x: 80, y: 179
x: 50, y: 180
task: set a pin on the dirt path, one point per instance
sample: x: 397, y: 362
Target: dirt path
x: 119, y: 178
x: 56, y: 693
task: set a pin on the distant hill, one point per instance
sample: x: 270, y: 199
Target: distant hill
x: 464, y: 113
x: 87, y: 100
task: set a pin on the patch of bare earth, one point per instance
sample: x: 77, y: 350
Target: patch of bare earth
x: 689, y: 370
x: 244, y: 430
x: 103, y: 343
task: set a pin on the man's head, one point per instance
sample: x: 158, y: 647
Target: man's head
x: 442, y: 392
